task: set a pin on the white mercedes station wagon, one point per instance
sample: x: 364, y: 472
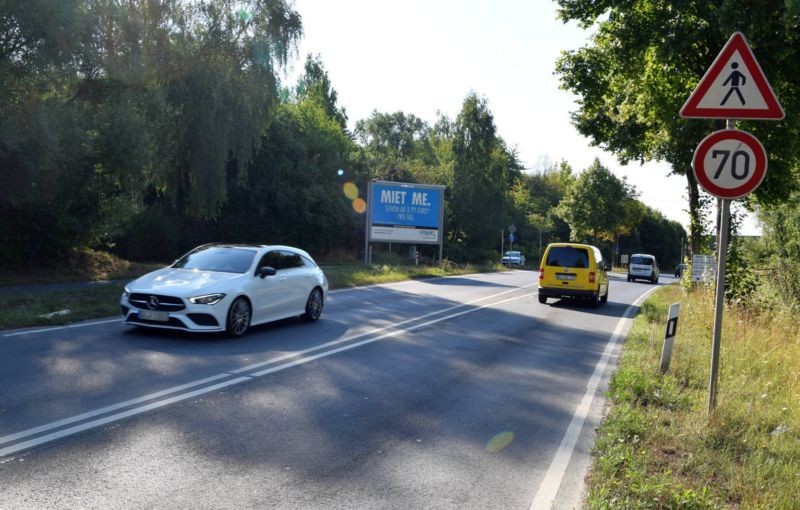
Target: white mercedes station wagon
x: 227, y: 287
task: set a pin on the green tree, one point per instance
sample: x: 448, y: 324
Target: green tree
x: 645, y: 59
x: 315, y: 84
x: 221, y: 88
x: 110, y: 106
x: 483, y: 172
x: 781, y: 248
x: 594, y: 204
x: 535, y: 200
x: 396, y: 146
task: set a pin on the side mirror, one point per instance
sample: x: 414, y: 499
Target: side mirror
x: 608, y: 266
x: 266, y: 271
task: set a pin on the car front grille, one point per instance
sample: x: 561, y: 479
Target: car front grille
x: 172, y: 322
x: 163, y: 303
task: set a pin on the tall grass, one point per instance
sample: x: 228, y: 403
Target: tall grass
x: 659, y: 448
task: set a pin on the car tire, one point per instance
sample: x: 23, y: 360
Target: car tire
x: 543, y: 299
x: 595, y: 299
x: 239, y: 316
x: 629, y: 278
x: 313, y: 305
x: 604, y: 299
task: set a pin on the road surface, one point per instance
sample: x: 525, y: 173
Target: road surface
x: 460, y: 392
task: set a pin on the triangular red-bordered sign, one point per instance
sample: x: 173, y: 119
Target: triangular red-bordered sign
x: 727, y: 92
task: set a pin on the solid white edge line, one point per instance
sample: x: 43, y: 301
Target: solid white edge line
x: 155, y: 405
x: 548, y: 489
x: 56, y: 328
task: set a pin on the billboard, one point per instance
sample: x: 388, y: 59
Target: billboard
x: 402, y: 212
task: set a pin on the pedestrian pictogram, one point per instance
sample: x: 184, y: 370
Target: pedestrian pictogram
x: 734, y: 79
x: 730, y: 163
x: 734, y: 87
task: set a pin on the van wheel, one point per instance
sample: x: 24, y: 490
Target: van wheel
x: 543, y: 299
x: 604, y: 299
x: 629, y: 278
x: 596, y: 299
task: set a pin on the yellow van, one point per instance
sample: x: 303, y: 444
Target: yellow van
x: 573, y: 270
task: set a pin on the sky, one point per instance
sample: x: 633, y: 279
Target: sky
x: 425, y: 56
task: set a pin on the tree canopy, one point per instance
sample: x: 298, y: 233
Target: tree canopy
x: 646, y: 58
x: 147, y: 127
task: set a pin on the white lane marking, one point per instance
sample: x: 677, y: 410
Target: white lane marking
x: 115, y: 417
x: 548, y: 489
x: 138, y: 400
x: 160, y: 403
x: 104, y: 410
x: 56, y: 328
x: 371, y: 332
x: 335, y: 291
x: 371, y: 340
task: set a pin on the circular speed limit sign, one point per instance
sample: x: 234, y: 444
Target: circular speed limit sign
x: 730, y: 163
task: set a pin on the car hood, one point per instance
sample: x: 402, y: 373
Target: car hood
x: 183, y: 282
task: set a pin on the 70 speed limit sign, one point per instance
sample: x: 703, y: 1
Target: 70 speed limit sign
x: 730, y: 163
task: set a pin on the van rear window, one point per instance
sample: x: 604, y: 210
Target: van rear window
x: 645, y: 261
x: 566, y: 256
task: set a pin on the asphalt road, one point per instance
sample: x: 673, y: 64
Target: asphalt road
x: 459, y: 392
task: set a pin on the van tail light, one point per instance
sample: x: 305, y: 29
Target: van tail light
x: 591, y: 277
x: 541, y: 273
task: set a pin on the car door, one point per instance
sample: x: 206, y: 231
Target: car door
x: 298, y: 284
x: 269, y: 293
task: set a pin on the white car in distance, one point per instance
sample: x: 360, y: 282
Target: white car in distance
x: 513, y: 258
x: 227, y: 287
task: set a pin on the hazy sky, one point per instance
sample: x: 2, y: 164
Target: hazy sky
x: 421, y: 57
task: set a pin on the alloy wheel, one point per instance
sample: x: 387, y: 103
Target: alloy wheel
x: 313, y: 306
x: 239, y: 317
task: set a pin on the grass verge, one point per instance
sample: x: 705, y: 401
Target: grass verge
x: 355, y: 275
x: 21, y: 310
x: 659, y: 449
x: 79, y: 265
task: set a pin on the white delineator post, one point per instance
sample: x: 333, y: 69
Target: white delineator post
x: 669, y: 336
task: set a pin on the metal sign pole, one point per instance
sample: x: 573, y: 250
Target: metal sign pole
x: 719, y: 301
x: 719, y: 297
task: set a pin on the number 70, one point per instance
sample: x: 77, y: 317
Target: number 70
x: 726, y: 155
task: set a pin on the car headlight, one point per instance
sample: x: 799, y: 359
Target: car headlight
x: 208, y: 299
x: 126, y: 292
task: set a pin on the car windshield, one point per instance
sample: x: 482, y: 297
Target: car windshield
x: 218, y: 258
x: 644, y: 261
x: 567, y: 256
x: 512, y: 254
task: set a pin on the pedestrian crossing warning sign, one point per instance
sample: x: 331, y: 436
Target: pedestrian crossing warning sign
x: 734, y: 87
